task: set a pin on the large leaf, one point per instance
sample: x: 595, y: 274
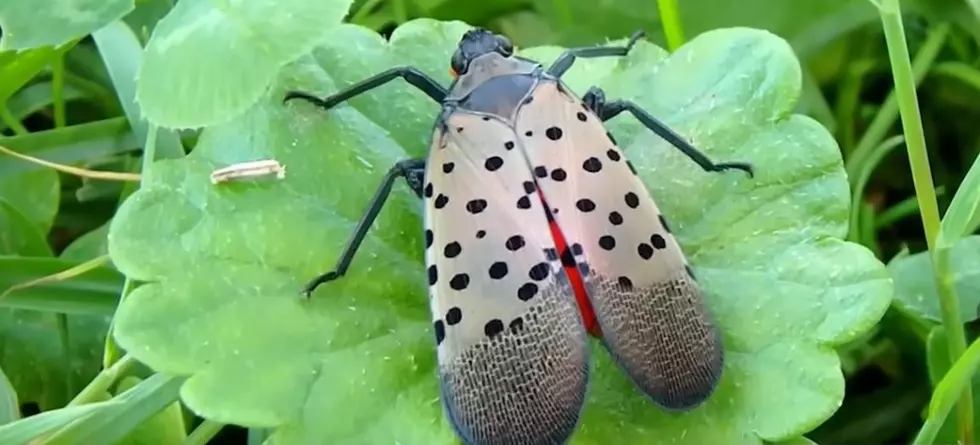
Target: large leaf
x: 29, y: 24
x: 208, y: 61
x: 355, y: 364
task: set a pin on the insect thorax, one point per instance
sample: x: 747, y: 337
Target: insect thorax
x: 496, y: 85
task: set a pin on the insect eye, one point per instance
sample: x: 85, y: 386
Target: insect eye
x: 458, y: 65
x: 504, y: 47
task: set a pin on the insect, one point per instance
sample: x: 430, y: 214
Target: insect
x: 538, y: 233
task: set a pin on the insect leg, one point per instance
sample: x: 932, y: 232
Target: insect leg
x: 412, y: 75
x: 595, y: 99
x: 566, y: 59
x: 413, y: 170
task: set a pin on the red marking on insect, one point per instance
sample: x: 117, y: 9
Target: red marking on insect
x: 574, y: 276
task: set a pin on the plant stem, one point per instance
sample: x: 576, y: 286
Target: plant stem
x: 65, y: 338
x: 58, y: 90
x: 670, y: 17
x: 915, y: 143
x: 203, y: 433
x: 8, y: 118
x: 103, y: 381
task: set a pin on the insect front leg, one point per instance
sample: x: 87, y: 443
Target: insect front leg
x: 564, y: 62
x: 413, y: 170
x: 595, y: 99
x: 412, y: 75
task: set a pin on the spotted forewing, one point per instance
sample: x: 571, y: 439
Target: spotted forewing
x: 646, y: 300
x: 512, y: 350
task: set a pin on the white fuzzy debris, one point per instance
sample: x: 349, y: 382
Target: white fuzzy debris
x: 249, y: 169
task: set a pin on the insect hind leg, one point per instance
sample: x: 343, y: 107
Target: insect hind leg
x: 565, y: 61
x: 413, y: 170
x: 595, y: 100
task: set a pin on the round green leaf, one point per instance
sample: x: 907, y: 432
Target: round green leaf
x: 30, y: 24
x: 915, y: 284
x: 208, y: 61
x: 355, y: 364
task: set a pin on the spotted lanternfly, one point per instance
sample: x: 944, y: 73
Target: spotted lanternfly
x: 538, y: 232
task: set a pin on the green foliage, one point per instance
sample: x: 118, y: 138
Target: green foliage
x: 739, y: 86
x: 195, y: 320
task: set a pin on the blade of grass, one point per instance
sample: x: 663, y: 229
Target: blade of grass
x: 905, y: 84
x: 60, y: 276
x: 670, y: 18
x: 881, y: 124
x: 12, y: 121
x: 24, y: 65
x: 903, y: 209
x: 138, y: 404
x: 9, y: 405
x: 204, y: 432
x: 58, y: 90
x: 64, y: 337
x: 26, y: 429
x: 364, y: 11
x: 957, y: 379
x: 95, y: 292
x: 38, y: 96
x: 122, y: 53
x: 101, y: 383
x: 960, y: 71
x: 861, y: 181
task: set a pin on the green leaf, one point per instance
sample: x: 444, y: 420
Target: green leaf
x: 139, y: 405
x: 207, y: 62
x: 38, y: 96
x: 95, y: 292
x: 88, y: 246
x: 786, y: 289
x: 28, y: 24
x: 18, y: 68
x: 33, y: 357
x: 164, y: 428
x: 962, y: 217
x: 796, y: 441
x: 35, y: 195
x: 947, y: 392
x: 9, y: 406
x: 915, y: 288
x: 937, y: 356
x: 18, y: 236
x: 21, y: 431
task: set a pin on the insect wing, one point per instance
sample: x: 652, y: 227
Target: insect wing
x: 512, y: 349
x: 646, y: 300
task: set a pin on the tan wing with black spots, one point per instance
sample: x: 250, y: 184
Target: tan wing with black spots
x: 647, y: 302
x: 512, y: 349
